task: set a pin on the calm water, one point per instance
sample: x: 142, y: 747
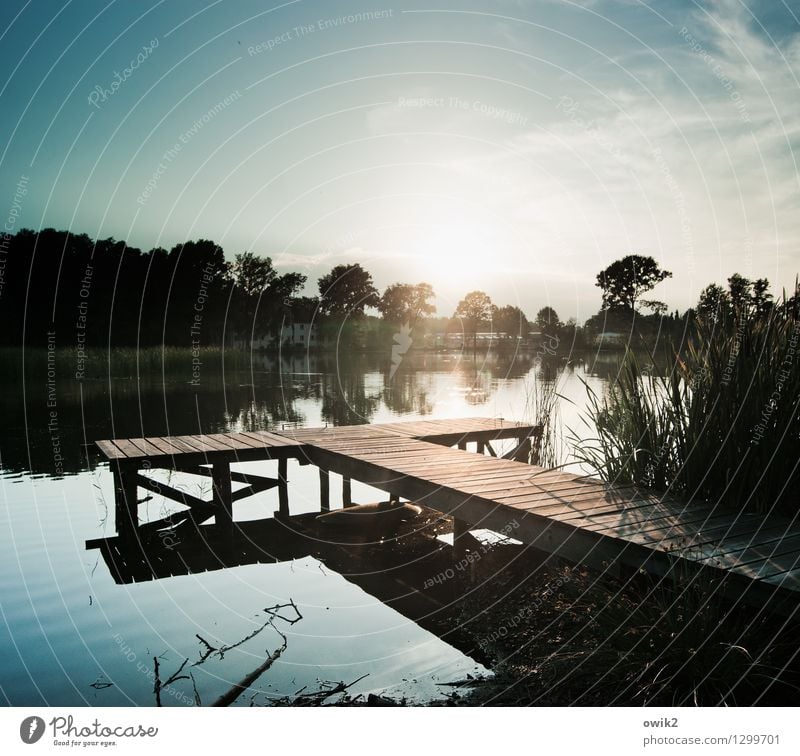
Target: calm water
x: 70, y: 635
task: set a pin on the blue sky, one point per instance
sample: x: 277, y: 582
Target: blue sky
x: 515, y: 147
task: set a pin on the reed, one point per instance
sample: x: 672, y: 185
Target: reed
x: 722, y: 425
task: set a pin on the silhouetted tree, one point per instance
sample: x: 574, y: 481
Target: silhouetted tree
x: 714, y: 303
x: 762, y: 299
x: 625, y: 280
x: 548, y: 321
x: 261, y: 294
x: 510, y: 320
x: 404, y: 303
x: 473, y: 311
x: 347, y: 290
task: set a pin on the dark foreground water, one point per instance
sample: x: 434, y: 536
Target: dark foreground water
x: 71, y: 635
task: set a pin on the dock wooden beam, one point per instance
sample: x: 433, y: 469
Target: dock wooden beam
x: 223, y: 495
x: 324, y: 490
x: 283, y: 488
x: 126, y: 503
x: 347, y: 493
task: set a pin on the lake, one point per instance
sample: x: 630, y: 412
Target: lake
x: 71, y: 635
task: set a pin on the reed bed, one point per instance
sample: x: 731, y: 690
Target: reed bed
x: 722, y: 425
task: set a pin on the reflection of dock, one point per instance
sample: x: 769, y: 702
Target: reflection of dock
x: 579, y: 519
x: 397, y: 572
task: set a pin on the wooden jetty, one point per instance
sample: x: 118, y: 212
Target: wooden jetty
x: 620, y: 530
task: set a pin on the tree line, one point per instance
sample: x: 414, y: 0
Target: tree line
x: 103, y: 292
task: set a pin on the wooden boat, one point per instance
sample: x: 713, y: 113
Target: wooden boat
x: 381, y: 515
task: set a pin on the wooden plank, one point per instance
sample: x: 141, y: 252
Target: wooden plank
x: 147, y: 449
x: 110, y: 450
x: 255, y: 487
x: 166, y: 444
x: 163, y: 489
x: 193, y: 443
x: 243, y: 441
x: 789, y: 579
x: 127, y: 448
x: 218, y: 441
x: 181, y: 445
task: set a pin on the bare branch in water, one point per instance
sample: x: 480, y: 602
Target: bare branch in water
x: 228, y: 698
x: 156, y: 681
x: 197, y: 701
x: 317, y: 697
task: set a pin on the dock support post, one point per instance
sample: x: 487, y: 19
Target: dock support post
x: 462, y: 445
x: 523, y: 452
x: 324, y: 490
x: 283, y: 488
x: 460, y: 529
x: 126, y: 503
x: 479, y: 447
x: 222, y: 494
x: 347, y: 492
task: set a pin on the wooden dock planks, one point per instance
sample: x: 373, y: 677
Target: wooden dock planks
x: 562, y: 513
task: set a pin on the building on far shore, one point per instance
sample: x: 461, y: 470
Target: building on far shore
x: 292, y: 335
x: 610, y: 340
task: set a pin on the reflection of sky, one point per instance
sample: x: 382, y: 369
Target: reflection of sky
x: 430, y: 145
x: 62, y: 611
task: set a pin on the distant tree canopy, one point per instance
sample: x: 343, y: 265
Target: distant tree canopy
x: 548, y: 321
x: 743, y: 298
x: 474, y: 311
x: 261, y: 295
x: 404, y: 303
x: 624, y: 281
x: 510, y: 320
x: 347, y: 290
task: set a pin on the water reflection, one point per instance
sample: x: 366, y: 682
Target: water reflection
x: 51, y: 430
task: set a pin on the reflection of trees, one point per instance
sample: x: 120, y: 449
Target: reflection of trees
x: 127, y: 407
x: 407, y: 393
x: 346, y: 399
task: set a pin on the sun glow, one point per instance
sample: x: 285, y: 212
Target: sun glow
x: 460, y: 253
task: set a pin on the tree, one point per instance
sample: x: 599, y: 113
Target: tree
x: 261, y: 293
x: 762, y: 299
x: 714, y: 303
x: 347, y: 290
x: 548, y: 321
x: 740, y: 289
x: 510, y: 320
x: 404, y: 303
x: 473, y: 311
x: 625, y: 280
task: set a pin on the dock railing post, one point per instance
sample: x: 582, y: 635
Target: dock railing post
x: 222, y: 494
x: 324, y: 490
x: 126, y: 502
x: 283, y: 487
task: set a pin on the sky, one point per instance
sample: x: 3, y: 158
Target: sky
x: 512, y: 146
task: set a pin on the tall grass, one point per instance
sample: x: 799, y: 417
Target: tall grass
x: 541, y: 409
x: 722, y: 426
